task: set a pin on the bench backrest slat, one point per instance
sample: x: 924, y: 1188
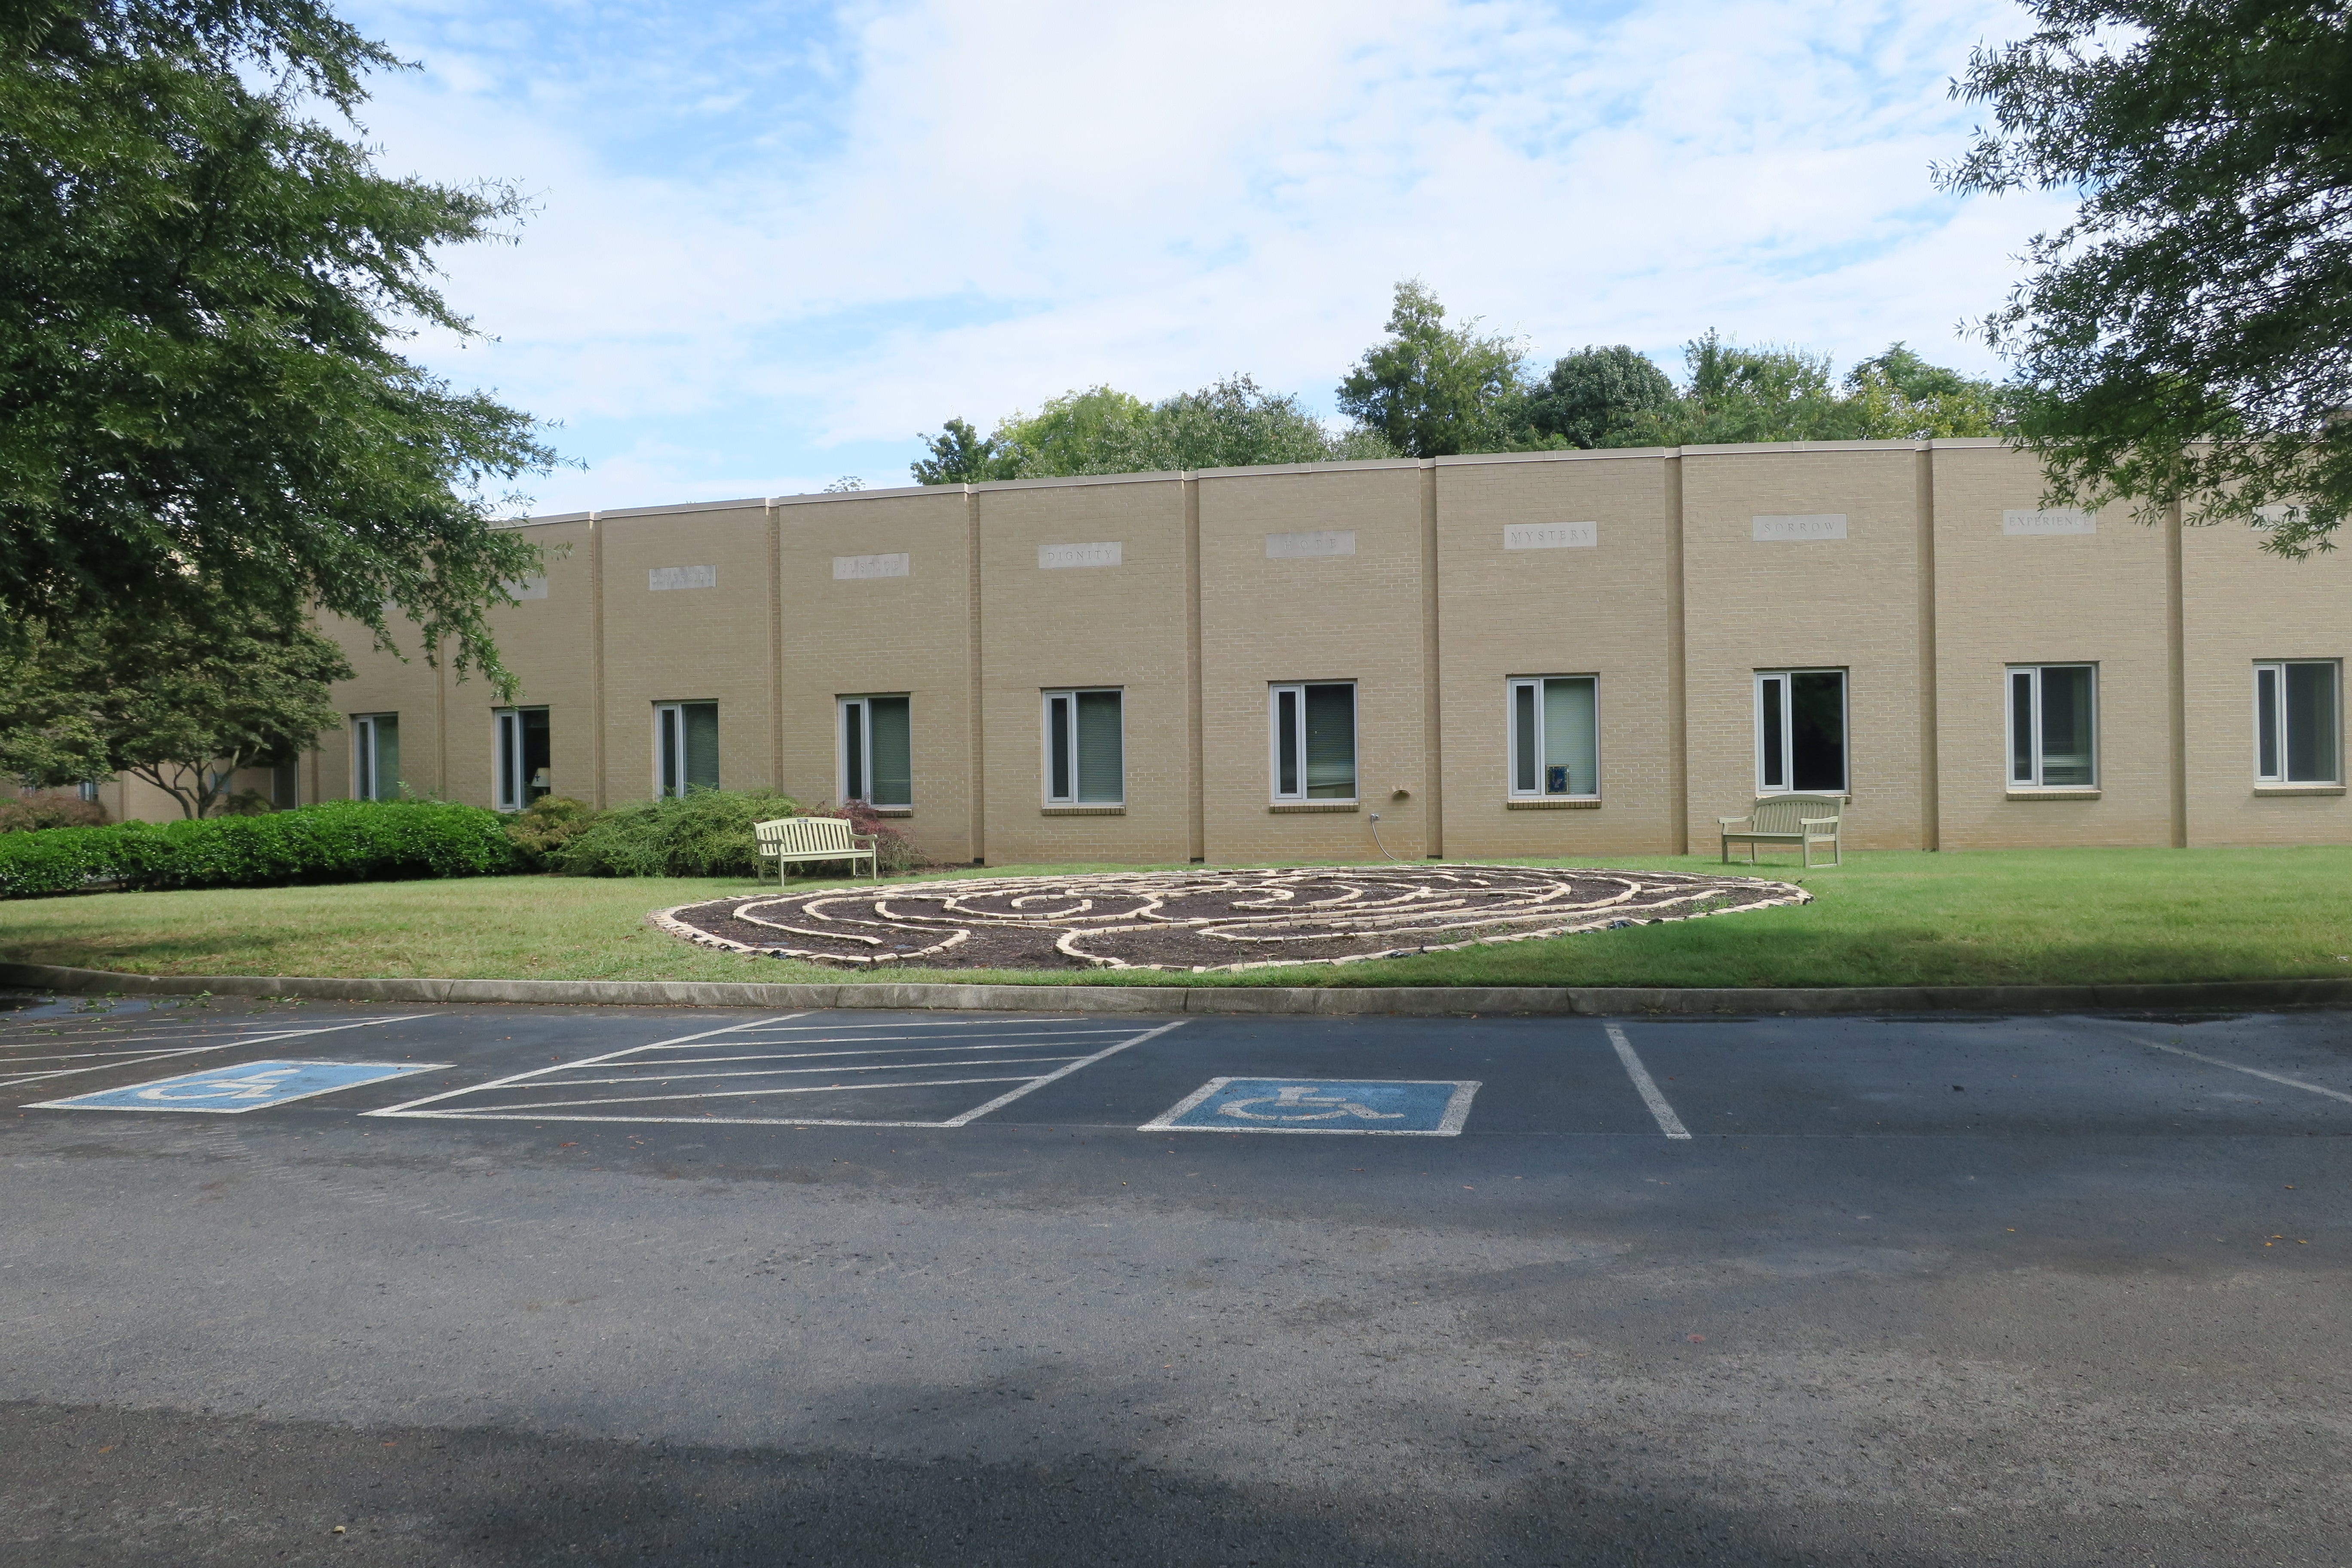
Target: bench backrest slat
x: 804, y: 834
x: 1786, y: 813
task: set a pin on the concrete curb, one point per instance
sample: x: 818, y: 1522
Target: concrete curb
x: 1412, y: 1001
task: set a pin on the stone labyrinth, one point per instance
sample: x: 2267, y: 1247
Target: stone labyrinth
x: 1205, y: 920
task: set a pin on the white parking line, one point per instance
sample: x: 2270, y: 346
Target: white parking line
x: 1668, y: 1122
x: 134, y: 1059
x: 927, y: 1053
x: 2241, y: 1066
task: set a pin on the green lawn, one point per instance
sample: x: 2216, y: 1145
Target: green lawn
x: 2008, y: 916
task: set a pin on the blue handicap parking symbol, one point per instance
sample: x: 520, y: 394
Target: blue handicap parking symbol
x: 247, y: 1085
x: 1320, y: 1105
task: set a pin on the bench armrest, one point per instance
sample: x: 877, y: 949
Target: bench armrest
x: 1729, y: 821
x: 1817, y: 821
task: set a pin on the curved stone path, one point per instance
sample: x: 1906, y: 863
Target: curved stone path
x: 1201, y: 920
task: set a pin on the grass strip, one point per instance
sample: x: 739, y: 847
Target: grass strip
x: 1889, y: 918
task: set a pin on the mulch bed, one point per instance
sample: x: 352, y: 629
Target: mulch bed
x: 1204, y: 920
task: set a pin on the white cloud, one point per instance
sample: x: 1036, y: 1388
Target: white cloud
x: 909, y: 211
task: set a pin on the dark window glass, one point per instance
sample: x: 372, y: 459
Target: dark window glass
x: 893, y: 767
x: 701, y: 720
x: 852, y: 750
x: 1058, y: 747
x: 1100, y: 764
x: 1285, y: 742
x: 2021, y: 726
x: 2267, y: 723
x: 2310, y: 747
x: 1522, y: 739
x: 1776, y: 774
x: 1817, y: 730
x: 1331, y: 743
x: 2066, y: 727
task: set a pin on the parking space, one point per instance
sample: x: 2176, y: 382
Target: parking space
x: 1679, y: 1079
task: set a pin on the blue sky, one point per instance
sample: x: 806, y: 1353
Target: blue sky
x: 772, y: 242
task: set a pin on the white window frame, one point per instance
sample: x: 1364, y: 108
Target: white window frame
x: 1788, y: 729
x: 1511, y: 689
x: 2277, y: 668
x: 364, y: 759
x: 676, y: 713
x: 2033, y: 719
x: 862, y: 701
x: 1046, y: 744
x: 1297, y: 688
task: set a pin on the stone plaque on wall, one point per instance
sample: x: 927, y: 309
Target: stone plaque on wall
x: 1319, y: 541
x: 1550, y: 535
x: 2065, y: 519
x: 1795, y: 527
x: 1050, y: 556
x: 659, y: 578
x: 857, y: 568
x: 532, y: 587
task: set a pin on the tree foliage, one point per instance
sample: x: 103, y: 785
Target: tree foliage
x: 202, y: 283
x: 181, y: 700
x: 1234, y: 423
x: 2183, y: 339
x: 1597, y: 395
x: 1432, y: 389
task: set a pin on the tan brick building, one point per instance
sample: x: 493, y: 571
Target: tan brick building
x: 1573, y: 653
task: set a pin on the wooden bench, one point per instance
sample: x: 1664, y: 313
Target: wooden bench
x: 798, y: 838
x: 1804, y: 820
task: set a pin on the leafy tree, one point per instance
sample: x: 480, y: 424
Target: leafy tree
x: 960, y: 455
x: 1735, y: 394
x: 1434, y: 390
x: 1897, y: 396
x: 1596, y: 394
x: 2182, y: 339
x: 201, y: 286
x: 181, y: 700
x: 1232, y: 424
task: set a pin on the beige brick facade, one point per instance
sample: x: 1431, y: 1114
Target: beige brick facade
x: 1924, y: 572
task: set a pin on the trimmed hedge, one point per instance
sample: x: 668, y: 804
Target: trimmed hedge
x: 705, y: 833
x: 336, y: 841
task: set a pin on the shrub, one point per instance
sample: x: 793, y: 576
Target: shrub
x: 32, y: 813
x: 705, y: 833
x: 541, y: 832
x: 892, y: 853
x: 336, y: 841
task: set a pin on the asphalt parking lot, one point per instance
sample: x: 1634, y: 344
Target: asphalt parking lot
x: 517, y: 1285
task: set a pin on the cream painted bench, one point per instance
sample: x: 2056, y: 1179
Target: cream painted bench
x: 798, y: 838
x: 1804, y: 820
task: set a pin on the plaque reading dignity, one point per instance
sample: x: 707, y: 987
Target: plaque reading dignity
x: 2065, y: 519
x: 1550, y: 535
x: 1050, y: 556
x: 857, y: 568
x: 1793, y: 528
x: 661, y: 577
x: 1299, y: 546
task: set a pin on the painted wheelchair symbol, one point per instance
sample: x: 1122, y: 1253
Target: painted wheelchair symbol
x: 1292, y: 1103
x: 263, y: 1085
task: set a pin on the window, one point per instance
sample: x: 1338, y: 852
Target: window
x: 523, y: 758
x: 1314, y: 741
x: 1554, y: 738
x: 375, y: 756
x: 2295, y: 739
x: 1086, y: 757
x: 686, y: 747
x: 87, y: 789
x: 2053, y: 727
x: 877, y: 751
x: 1800, y: 731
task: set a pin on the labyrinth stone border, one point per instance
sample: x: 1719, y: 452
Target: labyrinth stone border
x: 1206, y: 920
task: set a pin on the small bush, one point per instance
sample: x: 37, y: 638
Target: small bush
x: 892, y: 853
x: 32, y: 813
x: 336, y: 841
x: 543, y: 830
x: 705, y: 833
